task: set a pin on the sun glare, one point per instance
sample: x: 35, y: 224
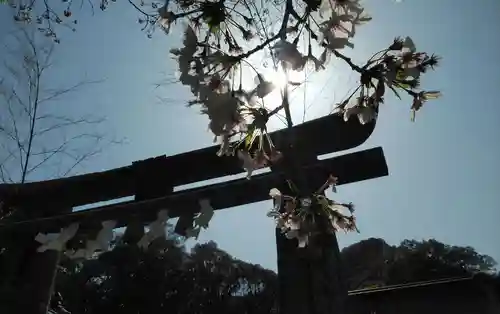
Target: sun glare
x: 279, y: 78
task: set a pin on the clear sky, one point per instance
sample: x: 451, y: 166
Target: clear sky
x: 444, y: 180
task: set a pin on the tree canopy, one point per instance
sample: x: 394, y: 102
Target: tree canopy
x: 373, y: 262
x: 207, y: 279
x: 166, y: 278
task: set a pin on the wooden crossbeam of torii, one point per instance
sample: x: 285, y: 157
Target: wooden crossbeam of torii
x: 152, y: 181
x: 354, y: 167
x: 165, y: 173
x: 181, y: 169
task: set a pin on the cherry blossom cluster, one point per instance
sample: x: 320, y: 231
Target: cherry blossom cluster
x: 233, y: 112
x: 222, y: 35
x: 399, y: 68
x: 302, y: 218
x: 210, y: 66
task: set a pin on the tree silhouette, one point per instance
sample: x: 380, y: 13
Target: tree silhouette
x: 207, y: 279
x: 373, y: 262
x: 33, y: 135
x: 431, y: 259
x: 166, y: 278
x: 37, y: 138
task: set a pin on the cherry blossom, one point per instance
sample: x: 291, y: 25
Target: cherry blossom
x: 294, y: 232
x: 277, y: 198
x: 264, y: 87
x: 364, y: 114
x: 289, y: 55
x: 420, y: 98
x: 298, y: 219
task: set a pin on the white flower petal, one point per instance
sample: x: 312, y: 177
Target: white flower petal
x: 366, y: 115
x: 348, y: 112
x: 432, y: 95
x: 303, y: 240
x: 273, y: 214
x: 277, y: 198
x: 293, y: 224
x: 274, y: 192
x: 305, y: 202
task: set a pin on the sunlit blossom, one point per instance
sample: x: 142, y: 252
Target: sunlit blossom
x: 365, y: 114
x: 420, y: 98
x: 166, y: 18
x: 287, y: 53
x: 300, y: 217
x: 263, y: 87
x: 277, y: 198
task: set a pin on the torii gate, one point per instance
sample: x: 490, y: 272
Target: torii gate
x: 308, y: 283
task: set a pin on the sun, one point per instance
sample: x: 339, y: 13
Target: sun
x: 292, y: 80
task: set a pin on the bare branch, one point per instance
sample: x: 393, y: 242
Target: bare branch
x: 28, y: 128
x: 23, y: 104
x: 54, y: 94
x: 16, y: 135
x: 5, y: 175
x: 61, y: 149
x: 80, y: 160
x: 69, y: 123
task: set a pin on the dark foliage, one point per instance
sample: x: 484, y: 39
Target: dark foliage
x: 168, y: 279
x: 372, y: 262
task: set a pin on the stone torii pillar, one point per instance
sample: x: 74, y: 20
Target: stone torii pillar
x: 311, y: 279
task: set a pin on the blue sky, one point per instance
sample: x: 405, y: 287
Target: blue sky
x: 444, y: 180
